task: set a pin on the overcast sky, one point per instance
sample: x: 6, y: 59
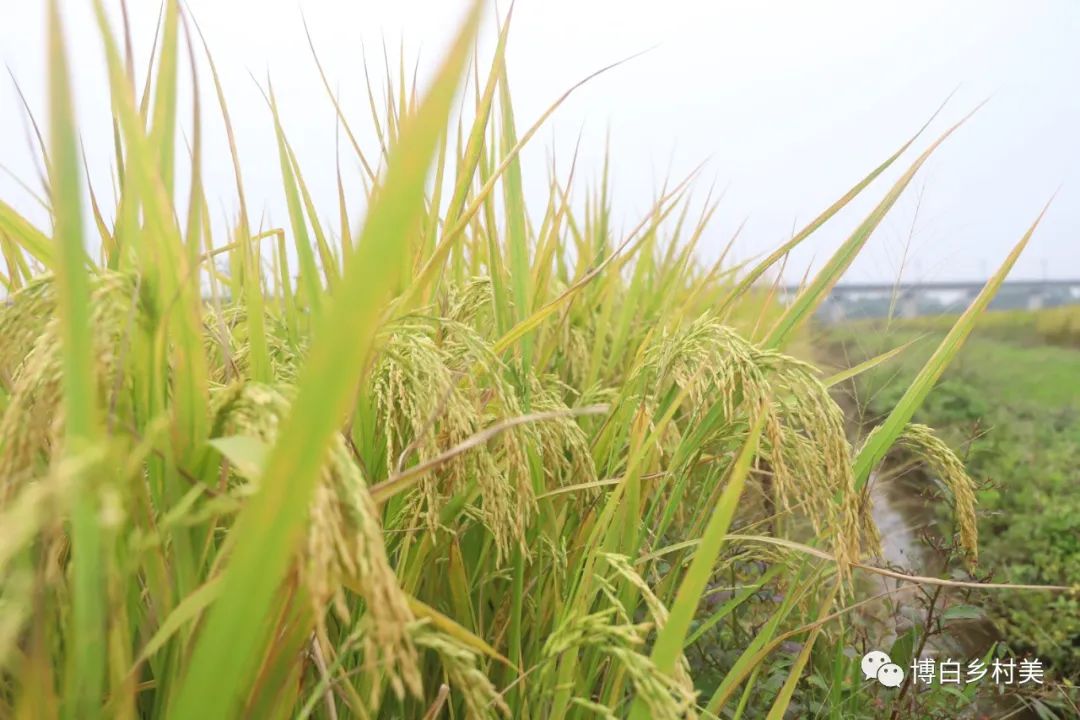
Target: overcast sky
x: 789, y: 102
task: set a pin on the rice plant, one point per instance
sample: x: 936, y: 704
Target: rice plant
x: 460, y: 457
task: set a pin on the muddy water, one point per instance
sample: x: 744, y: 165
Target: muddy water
x: 905, y: 520
x: 899, y: 516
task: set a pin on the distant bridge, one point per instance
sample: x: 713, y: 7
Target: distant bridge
x: 910, y: 299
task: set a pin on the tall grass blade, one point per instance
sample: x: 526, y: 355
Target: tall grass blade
x: 879, y: 442
x: 762, y: 267
x: 26, y: 236
x: 309, y: 274
x: 867, y: 365
x: 163, y: 130
x: 815, y: 293
x: 236, y: 631
x: 85, y: 676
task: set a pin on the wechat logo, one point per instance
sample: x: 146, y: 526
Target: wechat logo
x: 877, y: 665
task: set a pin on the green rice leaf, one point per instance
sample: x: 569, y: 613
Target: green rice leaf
x: 815, y: 293
x: 867, y: 365
x: 26, y: 236
x: 873, y: 451
x: 85, y: 676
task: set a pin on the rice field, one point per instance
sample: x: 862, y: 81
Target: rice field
x: 1052, y: 326
x: 448, y: 455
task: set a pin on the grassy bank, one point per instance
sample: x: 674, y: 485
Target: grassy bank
x: 444, y: 455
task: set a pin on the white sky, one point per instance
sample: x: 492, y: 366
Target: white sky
x: 791, y: 102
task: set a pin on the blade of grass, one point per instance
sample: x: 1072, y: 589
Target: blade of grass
x: 326, y: 253
x: 193, y: 238
x: 762, y: 267
x: 186, y: 611
x: 163, y: 129
x: 342, y: 121
x: 724, y: 610
x: 475, y: 144
x: 879, y: 442
x: 163, y: 259
x: 870, y: 364
x: 783, y: 698
x: 260, y: 354
x: 815, y: 293
x: 85, y: 676
x: 515, y: 214
x: 665, y: 205
x: 23, y: 233
x: 42, y: 168
x: 309, y: 274
x: 456, y: 631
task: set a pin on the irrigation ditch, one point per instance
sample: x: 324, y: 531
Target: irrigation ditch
x: 906, y: 508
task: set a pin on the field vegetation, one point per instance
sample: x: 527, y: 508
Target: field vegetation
x: 1010, y: 403
x: 444, y: 455
x: 1049, y: 326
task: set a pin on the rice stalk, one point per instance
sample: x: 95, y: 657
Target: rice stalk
x: 471, y: 456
